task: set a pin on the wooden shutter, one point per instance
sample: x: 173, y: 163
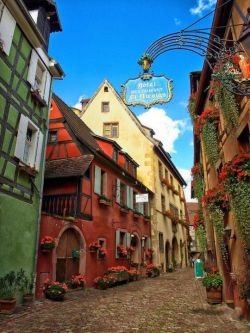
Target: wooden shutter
x: 21, y: 136
x: 118, y: 191
x: 47, y: 88
x: 39, y: 150
x: 128, y: 241
x: 131, y: 198
x: 148, y: 242
x: 98, y: 178
x: 7, y: 28
x: 32, y: 68
x: 127, y: 196
x: 117, y: 242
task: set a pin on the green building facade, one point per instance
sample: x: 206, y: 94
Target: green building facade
x: 26, y: 75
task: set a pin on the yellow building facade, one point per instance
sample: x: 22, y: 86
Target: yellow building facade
x: 107, y: 115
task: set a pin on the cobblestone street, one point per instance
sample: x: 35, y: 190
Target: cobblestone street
x: 173, y: 303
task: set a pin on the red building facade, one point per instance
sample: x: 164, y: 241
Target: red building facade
x: 89, y: 197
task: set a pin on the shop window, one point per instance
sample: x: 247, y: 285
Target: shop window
x: 243, y: 140
x: 29, y: 143
x: 52, y: 137
x: 105, y: 107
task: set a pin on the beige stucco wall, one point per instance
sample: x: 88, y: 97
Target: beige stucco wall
x: 133, y: 140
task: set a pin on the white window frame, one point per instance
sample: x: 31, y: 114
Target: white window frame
x: 38, y: 57
x: 7, y: 28
x: 36, y: 143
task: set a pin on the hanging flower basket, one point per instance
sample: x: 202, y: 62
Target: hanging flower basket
x: 47, y: 244
x: 94, y: 246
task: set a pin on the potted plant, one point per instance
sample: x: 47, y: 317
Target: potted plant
x: 152, y: 271
x: 102, y: 252
x: 122, y: 251
x: 47, y: 244
x: 245, y: 290
x: 120, y: 273
x: 213, y: 283
x: 27, y: 288
x: 9, y: 284
x: 94, y: 246
x: 77, y: 281
x: 54, y: 290
x: 104, y: 282
x: 75, y: 253
x: 133, y: 275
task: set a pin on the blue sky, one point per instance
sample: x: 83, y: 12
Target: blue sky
x: 104, y: 39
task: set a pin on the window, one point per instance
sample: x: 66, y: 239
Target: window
x: 163, y: 206
x: 52, y: 136
x: 122, y: 238
x: 102, y: 244
x: 100, y: 185
x: 174, y: 210
x: 106, y: 89
x: 243, y: 140
x: 160, y: 170
x: 181, y: 214
x: 166, y: 174
x: 105, y: 107
x: 38, y: 77
x: 161, y: 242
x: 126, y: 164
x: 115, y: 155
x: 29, y: 143
x: 171, y: 180
x: 7, y: 28
x: 111, y: 130
x: 124, y: 194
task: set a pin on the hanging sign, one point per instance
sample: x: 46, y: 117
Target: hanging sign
x: 147, y: 90
x: 141, y: 197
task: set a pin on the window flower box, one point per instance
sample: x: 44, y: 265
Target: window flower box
x: 122, y: 251
x: 119, y: 273
x: 124, y: 209
x: 102, y: 252
x: 36, y: 95
x: 94, y: 246
x: 103, y: 200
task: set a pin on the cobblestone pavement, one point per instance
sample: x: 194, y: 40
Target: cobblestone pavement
x: 173, y: 303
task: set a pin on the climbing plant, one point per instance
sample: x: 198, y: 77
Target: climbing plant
x: 206, y: 127
x: 235, y: 175
x: 200, y: 231
x: 197, y: 182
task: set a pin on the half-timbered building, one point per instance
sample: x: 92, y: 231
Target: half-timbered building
x: 89, y: 198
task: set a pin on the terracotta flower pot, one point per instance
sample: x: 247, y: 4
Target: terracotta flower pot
x: 245, y: 67
x: 214, y: 295
x: 7, y: 305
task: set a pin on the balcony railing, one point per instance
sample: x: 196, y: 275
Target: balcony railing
x: 60, y: 204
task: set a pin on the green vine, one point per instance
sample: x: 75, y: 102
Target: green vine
x: 198, y: 187
x: 228, y: 105
x: 191, y: 109
x: 240, y: 194
x: 217, y: 219
x: 209, y: 138
x: 200, y: 234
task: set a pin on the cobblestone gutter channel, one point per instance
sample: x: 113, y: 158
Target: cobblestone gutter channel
x: 172, y: 303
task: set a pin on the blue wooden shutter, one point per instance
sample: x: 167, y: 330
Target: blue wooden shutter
x: 98, y: 179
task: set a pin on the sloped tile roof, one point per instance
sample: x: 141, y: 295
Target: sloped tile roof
x: 79, y: 128
x: 70, y: 167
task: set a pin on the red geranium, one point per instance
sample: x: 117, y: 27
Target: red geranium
x: 208, y: 115
x: 196, y: 169
x: 217, y: 197
x: 237, y: 169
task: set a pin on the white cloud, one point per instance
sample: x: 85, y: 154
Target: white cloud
x: 201, y: 6
x: 167, y: 130
x: 78, y: 105
x: 177, y: 21
x: 186, y: 174
x: 191, y: 143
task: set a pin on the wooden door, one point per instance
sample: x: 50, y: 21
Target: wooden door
x: 66, y: 265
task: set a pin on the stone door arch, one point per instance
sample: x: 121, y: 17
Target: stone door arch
x: 136, y: 246
x: 70, y: 244
x: 167, y: 255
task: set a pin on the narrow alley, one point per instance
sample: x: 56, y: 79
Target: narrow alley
x: 173, y: 303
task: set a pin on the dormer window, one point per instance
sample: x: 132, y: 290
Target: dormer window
x: 52, y: 136
x: 115, y: 154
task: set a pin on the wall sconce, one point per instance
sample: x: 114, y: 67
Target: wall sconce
x: 143, y: 238
x: 132, y: 235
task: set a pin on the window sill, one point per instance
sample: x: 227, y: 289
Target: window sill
x: 35, y: 94
x: 124, y: 210
x: 105, y: 202
x: 26, y: 168
x: 136, y: 215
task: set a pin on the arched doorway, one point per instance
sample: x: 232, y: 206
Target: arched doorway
x: 136, y: 253
x: 68, y: 255
x: 175, y: 252
x: 167, y: 255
